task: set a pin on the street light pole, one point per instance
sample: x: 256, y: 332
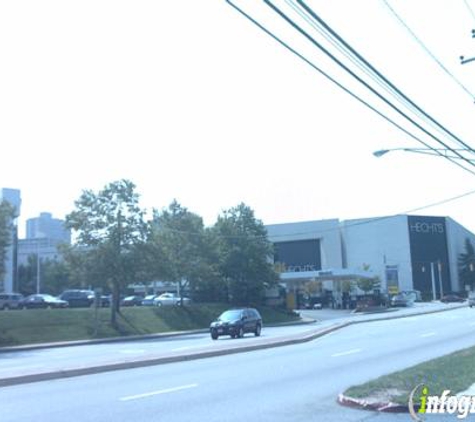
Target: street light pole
x: 427, y: 151
x: 432, y: 276
x: 38, y: 267
x: 439, y: 266
x: 463, y: 60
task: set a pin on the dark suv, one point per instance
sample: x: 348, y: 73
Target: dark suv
x: 236, y: 322
x: 78, y: 298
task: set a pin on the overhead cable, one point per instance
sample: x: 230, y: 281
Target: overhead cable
x: 318, y: 19
x: 426, y: 49
x: 315, y: 67
x: 369, y: 87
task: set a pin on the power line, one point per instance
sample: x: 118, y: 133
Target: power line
x: 426, y: 49
x: 470, y: 10
x: 315, y: 67
x: 358, y: 223
x: 363, y: 60
x: 374, y: 91
x: 351, y: 57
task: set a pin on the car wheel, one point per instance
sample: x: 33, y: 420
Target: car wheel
x: 214, y: 335
x: 241, y: 332
x: 49, y: 307
x: 257, y: 333
x: 159, y: 303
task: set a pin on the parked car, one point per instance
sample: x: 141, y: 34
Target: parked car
x: 415, y: 294
x: 471, y: 299
x: 170, y: 299
x: 132, y: 301
x: 10, y: 301
x: 106, y: 301
x: 148, y: 300
x: 452, y: 298
x: 43, y: 301
x: 236, y: 323
x: 402, y: 299
x: 78, y: 298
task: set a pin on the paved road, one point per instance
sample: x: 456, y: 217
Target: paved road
x: 292, y: 383
x: 43, y: 360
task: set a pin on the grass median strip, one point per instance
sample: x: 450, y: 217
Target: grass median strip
x: 454, y: 372
x: 58, y: 325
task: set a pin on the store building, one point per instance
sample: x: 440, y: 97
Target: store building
x: 404, y: 252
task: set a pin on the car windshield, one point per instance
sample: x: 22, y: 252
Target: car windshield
x: 230, y: 316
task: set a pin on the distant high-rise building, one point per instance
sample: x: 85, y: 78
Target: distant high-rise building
x: 43, y: 236
x: 9, y: 283
x: 45, y: 226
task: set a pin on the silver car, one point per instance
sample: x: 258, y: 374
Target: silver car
x: 11, y: 301
x: 167, y: 299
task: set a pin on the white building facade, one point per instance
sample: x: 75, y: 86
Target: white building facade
x: 404, y: 252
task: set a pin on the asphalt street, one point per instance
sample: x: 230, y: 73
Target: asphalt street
x: 43, y: 360
x: 291, y: 383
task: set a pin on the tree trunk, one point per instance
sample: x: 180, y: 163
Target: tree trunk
x: 115, y: 305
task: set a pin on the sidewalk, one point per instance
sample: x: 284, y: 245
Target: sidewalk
x: 316, y: 329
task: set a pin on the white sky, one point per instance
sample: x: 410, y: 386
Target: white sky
x: 190, y: 101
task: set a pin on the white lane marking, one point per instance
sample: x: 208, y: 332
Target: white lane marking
x: 12, y: 367
x: 429, y: 334
x: 409, y: 319
x: 156, y: 393
x: 348, y: 352
x: 183, y: 348
x: 132, y: 351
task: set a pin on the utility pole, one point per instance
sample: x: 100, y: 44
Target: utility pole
x: 464, y: 60
x: 439, y: 266
x: 38, y: 266
x: 432, y: 276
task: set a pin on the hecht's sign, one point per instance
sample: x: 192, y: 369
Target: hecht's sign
x: 427, y: 228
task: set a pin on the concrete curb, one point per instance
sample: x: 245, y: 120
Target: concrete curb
x: 435, y: 311
x: 28, y: 347
x: 114, y: 366
x: 364, y: 404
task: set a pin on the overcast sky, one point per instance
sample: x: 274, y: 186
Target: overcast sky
x: 190, y: 101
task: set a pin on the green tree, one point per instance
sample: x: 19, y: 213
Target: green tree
x: 54, y: 276
x: 368, y: 284
x: 347, y: 286
x: 109, y: 227
x: 6, y: 216
x: 178, y: 246
x: 313, y: 287
x: 466, y: 265
x: 245, y: 255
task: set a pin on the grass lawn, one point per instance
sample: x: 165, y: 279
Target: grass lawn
x: 54, y: 325
x: 454, y: 372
